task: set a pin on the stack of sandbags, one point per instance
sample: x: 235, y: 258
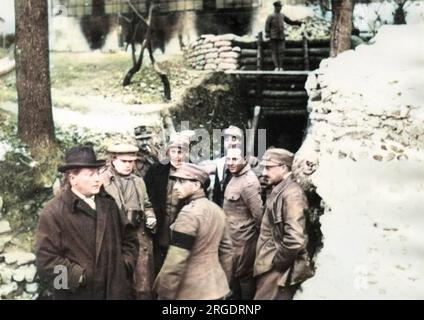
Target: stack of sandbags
x: 214, y: 53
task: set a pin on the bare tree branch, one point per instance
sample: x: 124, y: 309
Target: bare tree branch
x: 146, y: 44
x: 138, y: 13
x: 136, y: 67
x: 121, y: 16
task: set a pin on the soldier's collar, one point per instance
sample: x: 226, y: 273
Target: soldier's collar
x: 197, y: 195
x: 245, y: 169
x: 278, y: 187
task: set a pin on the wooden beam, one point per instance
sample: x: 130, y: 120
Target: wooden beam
x: 314, y: 52
x: 294, y: 104
x: 283, y: 112
x: 260, y: 72
x: 280, y: 94
x: 305, y: 54
x: 259, y: 52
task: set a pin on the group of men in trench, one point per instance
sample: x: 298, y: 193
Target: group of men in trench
x: 133, y: 227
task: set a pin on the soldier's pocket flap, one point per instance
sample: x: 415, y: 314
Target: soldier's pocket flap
x: 232, y: 195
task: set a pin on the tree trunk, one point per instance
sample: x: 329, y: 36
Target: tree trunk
x: 399, y: 16
x: 98, y: 7
x: 35, y: 119
x: 341, y: 28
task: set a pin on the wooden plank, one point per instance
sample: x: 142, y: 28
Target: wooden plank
x: 260, y: 72
x: 245, y: 45
x: 314, y: 52
x: 286, y: 60
x: 283, y: 112
x: 259, y: 52
x: 280, y: 94
x: 294, y: 104
x: 305, y: 54
x: 274, y: 85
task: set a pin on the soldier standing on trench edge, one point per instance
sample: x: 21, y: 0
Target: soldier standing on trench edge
x: 274, y: 30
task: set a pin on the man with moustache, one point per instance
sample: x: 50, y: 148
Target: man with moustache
x: 85, y: 248
x: 147, y: 154
x: 199, y: 260
x: 282, y: 261
x: 160, y: 189
x: 243, y: 208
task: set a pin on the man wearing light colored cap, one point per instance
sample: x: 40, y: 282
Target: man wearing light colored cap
x: 162, y: 195
x: 199, y: 260
x: 282, y: 260
x: 129, y: 192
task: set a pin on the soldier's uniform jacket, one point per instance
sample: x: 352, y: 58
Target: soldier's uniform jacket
x: 243, y: 207
x: 199, y: 260
x: 145, y: 161
x: 282, y: 241
x: 108, y: 178
x: 274, y: 25
x: 144, y: 270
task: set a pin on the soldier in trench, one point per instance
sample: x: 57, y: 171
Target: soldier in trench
x: 147, y: 154
x: 160, y: 189
x: 217, y: 168
x: 243, y: 208
x: 199, y: 260
x: 282, y: 260
x: 129, y: 192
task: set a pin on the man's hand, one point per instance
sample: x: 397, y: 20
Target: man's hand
x: 82, y: 280
x: 151, y: 223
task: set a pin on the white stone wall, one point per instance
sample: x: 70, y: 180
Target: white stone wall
x: 364, y: 156
x: 363, y: 105
x: 369, y: 17
x: 17, y: 268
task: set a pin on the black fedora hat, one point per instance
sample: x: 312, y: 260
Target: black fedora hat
x: 80, y: 157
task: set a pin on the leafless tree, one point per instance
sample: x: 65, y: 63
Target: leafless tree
x: 341, y: 28
x: 399, y: 16
x: 35, y: 119
x: 146, y: 44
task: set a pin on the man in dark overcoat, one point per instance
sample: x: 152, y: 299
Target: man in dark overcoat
x: 85, y: 247
x: 160, y: 189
